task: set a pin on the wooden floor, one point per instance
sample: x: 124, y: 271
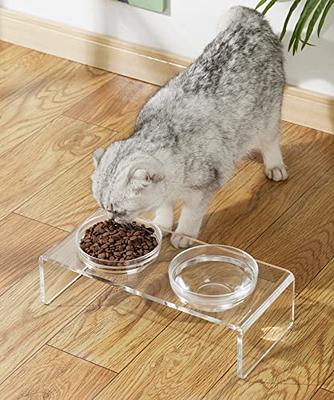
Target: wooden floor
x: 96, y: 343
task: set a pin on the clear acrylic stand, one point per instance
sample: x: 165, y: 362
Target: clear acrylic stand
x: 259, y: 323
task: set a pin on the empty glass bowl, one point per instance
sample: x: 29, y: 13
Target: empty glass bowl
x: 118, y: 267
x: 213, y: 277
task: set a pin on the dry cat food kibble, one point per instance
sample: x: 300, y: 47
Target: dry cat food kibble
x: 109, y: 240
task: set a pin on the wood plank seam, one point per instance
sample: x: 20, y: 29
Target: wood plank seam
x: 23, y: 241
x: 325, y: 389
x: 114, y: 131
x: 67, y: 108
x: 322, y: 393
x: 4, y: 220
x: 35, y: 220
x: 328, y: 381
x: 41, y: 188
x: 79, y: 358
x: 27, y: 359
x: 29, y: 136
x: 56, y: 377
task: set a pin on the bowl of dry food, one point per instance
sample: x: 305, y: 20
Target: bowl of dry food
x: 103, y: 243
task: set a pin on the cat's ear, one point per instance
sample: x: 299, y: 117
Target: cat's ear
x: 142, y: 178
x: 97, y: 155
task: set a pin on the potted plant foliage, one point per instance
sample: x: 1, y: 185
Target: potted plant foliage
x: 313, y: 15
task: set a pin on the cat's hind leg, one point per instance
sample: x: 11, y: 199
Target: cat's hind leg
x: 271, y: 152
x: 273, y: 161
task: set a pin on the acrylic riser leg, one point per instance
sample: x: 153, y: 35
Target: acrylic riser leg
x: 256, y: 341
x: 54, y: 279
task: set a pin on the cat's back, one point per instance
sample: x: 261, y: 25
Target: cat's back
x: 239, y: 73
x: 245, y: 52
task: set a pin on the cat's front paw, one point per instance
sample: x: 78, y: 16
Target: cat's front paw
x: 181, y: 242
x: 277, y: 174
x: 165, y: 230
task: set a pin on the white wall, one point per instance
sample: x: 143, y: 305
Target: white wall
x: 185, y: 29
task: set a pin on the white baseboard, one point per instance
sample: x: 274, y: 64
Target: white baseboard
x: 308, y: 109
x: 139, y: 62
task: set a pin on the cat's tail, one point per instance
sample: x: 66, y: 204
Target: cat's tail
x: 236, y: 14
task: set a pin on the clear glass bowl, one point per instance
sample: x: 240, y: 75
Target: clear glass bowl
x: 213, y: 277
x: 118, y: 267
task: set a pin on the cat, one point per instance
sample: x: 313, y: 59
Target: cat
x: 190, y: 134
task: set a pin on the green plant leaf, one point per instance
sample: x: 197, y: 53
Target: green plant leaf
x: 310, y: 5
x: 324, y: 15
x: 260, y: 3
x: 271, y: 3
x: 287, y: 19
x: 312, y: 11
x: 305, y: 15
x: 314, y: 19
x: 306, y: 43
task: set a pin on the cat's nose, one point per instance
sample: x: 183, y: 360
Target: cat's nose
x: 119, y: 214
x: 110, y: 209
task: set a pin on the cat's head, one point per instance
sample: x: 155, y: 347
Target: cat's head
x: 125, y: 184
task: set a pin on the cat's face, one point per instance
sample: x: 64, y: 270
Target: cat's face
x: 127, y: 187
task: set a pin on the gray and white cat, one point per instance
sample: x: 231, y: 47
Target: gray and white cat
x: 191, y: 133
